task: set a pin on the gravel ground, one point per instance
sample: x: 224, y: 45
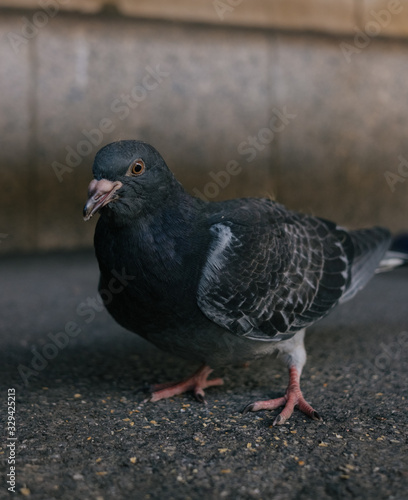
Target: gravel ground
x: 84, y: 431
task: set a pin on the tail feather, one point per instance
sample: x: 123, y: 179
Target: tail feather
x: 370, y: 246
x: 392, y: 260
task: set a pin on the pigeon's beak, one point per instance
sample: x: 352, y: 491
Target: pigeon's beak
x: 100, y: 193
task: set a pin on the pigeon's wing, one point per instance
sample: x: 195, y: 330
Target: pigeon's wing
x: 270, y: 272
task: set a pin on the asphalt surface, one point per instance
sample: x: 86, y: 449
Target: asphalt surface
x: 84, y: 431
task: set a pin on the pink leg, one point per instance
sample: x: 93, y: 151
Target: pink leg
x: 196, y: 383
x: 292, y: 398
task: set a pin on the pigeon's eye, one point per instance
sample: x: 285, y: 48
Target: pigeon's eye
x: 137, y: 167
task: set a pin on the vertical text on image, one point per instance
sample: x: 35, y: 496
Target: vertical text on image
x: 11, y: 439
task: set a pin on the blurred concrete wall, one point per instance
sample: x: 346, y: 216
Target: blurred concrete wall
x: 313, y: 113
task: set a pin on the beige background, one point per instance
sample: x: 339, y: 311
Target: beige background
x: 224, y: 78
x: 327, y: 16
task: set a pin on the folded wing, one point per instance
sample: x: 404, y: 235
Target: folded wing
x: 270, y: 272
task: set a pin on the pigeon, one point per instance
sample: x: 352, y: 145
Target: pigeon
x: 223, y: 282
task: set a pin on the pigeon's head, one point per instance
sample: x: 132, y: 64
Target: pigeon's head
x: 129, y: 176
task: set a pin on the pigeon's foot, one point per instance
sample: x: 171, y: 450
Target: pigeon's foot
x: 292, y: 398
x: 196, y: 383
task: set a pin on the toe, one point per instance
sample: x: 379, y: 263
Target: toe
x: 305, y: 408
x: 160, y: 387
x: 213, y: 382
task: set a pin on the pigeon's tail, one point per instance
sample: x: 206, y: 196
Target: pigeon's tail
x: 396, y: 256
x: 392, y: 260
x: 370, y: 246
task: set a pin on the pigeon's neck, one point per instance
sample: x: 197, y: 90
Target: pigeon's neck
x: 171, y: 229
x: 161, y: 245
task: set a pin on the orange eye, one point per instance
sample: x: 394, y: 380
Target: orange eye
x: 138, y: 167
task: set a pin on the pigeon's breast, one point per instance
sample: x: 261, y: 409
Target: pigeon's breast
x: 157, y: 298
x: 162, y: 275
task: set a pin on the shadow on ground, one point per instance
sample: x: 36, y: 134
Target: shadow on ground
x: 85, y: 431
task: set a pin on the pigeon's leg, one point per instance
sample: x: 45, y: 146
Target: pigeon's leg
x: 196, y: 383
x: 294, y: 355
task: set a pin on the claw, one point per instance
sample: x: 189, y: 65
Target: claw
x: 248, y: 408
x: 200, y: 398
x: 278, y: 420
